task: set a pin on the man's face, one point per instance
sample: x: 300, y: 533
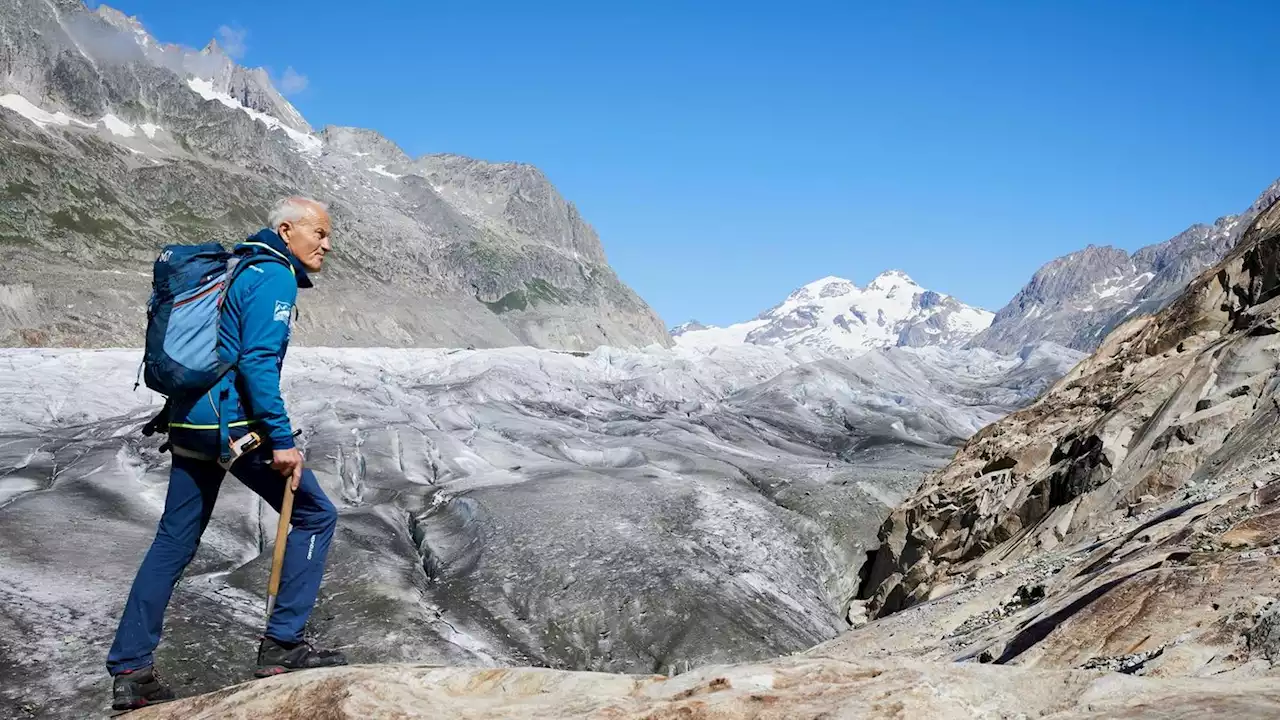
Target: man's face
x: 308, y: 238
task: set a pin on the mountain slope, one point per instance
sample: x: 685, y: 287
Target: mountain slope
x: 834, y: 315
x: 1077, y: 299
x: 116, y: 144
x: 1128, y: 519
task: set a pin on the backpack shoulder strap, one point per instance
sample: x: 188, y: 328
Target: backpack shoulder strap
x: 237, y: 264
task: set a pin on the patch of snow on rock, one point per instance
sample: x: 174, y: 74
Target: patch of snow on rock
x: 117, y: 126
x: 307, y: 143
x: 30, y: 111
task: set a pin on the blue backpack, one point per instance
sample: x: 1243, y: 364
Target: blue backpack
x: 188, y: 286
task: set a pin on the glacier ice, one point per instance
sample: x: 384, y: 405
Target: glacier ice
x: 616, y: 510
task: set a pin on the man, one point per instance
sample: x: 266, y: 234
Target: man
x: 257, y: 315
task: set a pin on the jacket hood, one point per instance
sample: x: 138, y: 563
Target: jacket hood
x: 268, y: 237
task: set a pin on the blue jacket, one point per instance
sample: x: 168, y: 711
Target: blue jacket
x: 257, y: 318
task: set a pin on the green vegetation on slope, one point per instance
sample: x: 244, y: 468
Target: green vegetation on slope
x: 535, y: 292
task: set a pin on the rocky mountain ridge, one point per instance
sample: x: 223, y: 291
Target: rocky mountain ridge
x: 1075, y: 300
x: 1072, y: 301
x: 116, y: 144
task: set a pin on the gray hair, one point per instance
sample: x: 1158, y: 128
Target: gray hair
x: 292, y: 209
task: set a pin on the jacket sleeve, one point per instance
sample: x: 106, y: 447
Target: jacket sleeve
x: 266, y: 309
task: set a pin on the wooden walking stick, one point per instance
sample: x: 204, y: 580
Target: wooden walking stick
x: 277, y: 557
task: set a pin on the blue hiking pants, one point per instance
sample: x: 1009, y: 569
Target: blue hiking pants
x: 193, y: 489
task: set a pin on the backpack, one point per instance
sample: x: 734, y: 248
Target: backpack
x: 188, y: 286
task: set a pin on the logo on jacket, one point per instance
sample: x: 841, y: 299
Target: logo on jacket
x: 282, y: 312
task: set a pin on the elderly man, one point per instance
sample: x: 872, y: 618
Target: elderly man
x: 257, y: 316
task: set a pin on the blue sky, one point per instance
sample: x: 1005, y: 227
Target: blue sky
x: 729, y: 152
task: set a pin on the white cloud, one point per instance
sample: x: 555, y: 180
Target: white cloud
x: 292, y: 81
x: 232, y: 41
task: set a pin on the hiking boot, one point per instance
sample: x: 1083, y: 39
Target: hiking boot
x: 133, y: 689
x: 275, y: 657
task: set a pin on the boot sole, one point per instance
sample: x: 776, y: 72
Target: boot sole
x: 118, y: 711
x: 274, y: 670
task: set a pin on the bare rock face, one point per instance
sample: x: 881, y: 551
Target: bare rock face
x: 1129, y: 519
x: 362, y: 143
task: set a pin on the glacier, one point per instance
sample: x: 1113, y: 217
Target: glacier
x: 619, y: 510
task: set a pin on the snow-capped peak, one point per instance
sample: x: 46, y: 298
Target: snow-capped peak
x: 829, y: 286
x: 834, y: 314
x: 892, y: 279
x: 688, y: 326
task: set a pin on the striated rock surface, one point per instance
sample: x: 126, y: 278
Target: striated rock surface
x: 786, y: 689
x: 1129, y: 519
